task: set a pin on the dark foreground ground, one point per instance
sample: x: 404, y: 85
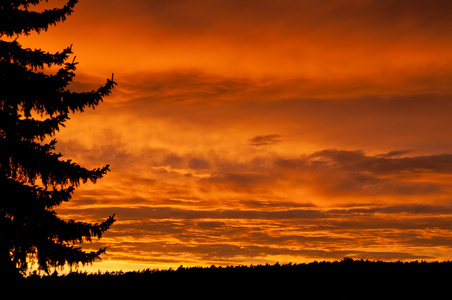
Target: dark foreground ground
x: 361, y: 278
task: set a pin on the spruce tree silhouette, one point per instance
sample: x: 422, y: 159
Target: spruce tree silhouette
x: 33, y: 177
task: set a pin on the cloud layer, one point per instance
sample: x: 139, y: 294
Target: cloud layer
x: 264, y: 131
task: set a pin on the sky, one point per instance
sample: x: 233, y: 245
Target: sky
x: 253, y: 132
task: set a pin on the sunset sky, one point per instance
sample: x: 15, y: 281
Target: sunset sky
x: 258, y: 131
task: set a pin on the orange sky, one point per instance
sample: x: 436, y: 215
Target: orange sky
x: 260, y: 131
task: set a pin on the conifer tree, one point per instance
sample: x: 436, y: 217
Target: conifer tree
x: 34, y: 178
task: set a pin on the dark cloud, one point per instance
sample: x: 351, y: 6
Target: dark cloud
x: 198, y: 164
x: 394, y: 153
x: 185, y: 86
x: 199, y: 16
x: 140, y: 212
x: 411, y: 208
x: 355, y: 172
x: 237, y: 181
x: 143, y: 213
x: 173, y: 160
x: 263, y: 140
x: 358, y: 161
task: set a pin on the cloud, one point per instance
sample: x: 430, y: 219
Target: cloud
x: 358, y: 161
x: 263, y: 140
x: 200, y: 82
x: 152, y: 234
x: 297, y: 110
x: 198, y: 16
x: 340, y: 172
x: 196, y: 163
x: 394, y: 153
x: 371, y: 42
x: 190, y: 112
x: 380, y: 164
x: 146, y: 213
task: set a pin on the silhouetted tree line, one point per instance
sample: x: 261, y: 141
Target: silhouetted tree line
x: 364, y: 279
x: 345, y: 267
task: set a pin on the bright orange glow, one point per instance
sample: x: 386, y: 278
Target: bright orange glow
x: 268, y: 131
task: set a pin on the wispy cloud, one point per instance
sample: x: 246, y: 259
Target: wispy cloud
x: 263, y: 140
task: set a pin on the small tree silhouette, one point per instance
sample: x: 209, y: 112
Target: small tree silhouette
x: 33, y: 178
